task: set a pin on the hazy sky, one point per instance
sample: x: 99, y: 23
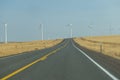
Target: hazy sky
x: 25, y: 16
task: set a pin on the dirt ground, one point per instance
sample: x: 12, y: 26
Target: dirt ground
x: 108, y: 45
x: 19, y: 47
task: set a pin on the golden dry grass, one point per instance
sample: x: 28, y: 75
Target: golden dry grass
x: 16, y: 48
x: 110, y: 44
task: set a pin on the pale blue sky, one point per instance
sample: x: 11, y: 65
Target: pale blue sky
x: 24, y: 17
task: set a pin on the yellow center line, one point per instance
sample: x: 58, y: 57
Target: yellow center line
x: 32, y: 63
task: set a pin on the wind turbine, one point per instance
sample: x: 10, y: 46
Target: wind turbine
x: 6, y: 39
x: 42, y: 34
x: 71, y: 31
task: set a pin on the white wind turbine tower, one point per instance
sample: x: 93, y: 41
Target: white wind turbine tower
x: 71, y: 31
x: 6, y: 39
x: 42, y: 34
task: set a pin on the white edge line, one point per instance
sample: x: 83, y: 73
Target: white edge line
x: 98, y: 65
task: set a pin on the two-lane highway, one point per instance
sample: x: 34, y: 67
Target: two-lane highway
x: 61, y: 62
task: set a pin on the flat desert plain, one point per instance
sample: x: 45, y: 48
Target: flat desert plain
x: 108, y: 45
x: 19, y: 47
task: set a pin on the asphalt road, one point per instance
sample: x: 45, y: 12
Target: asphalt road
x: 61, y: 62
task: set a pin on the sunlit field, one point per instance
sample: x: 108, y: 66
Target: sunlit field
x: 16, y: 48
x: 108, y: 45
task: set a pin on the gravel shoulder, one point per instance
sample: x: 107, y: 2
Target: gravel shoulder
x: 109, y: 63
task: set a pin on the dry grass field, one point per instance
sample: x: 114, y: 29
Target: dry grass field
x: 108, y: 45
x: 16, y: 48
